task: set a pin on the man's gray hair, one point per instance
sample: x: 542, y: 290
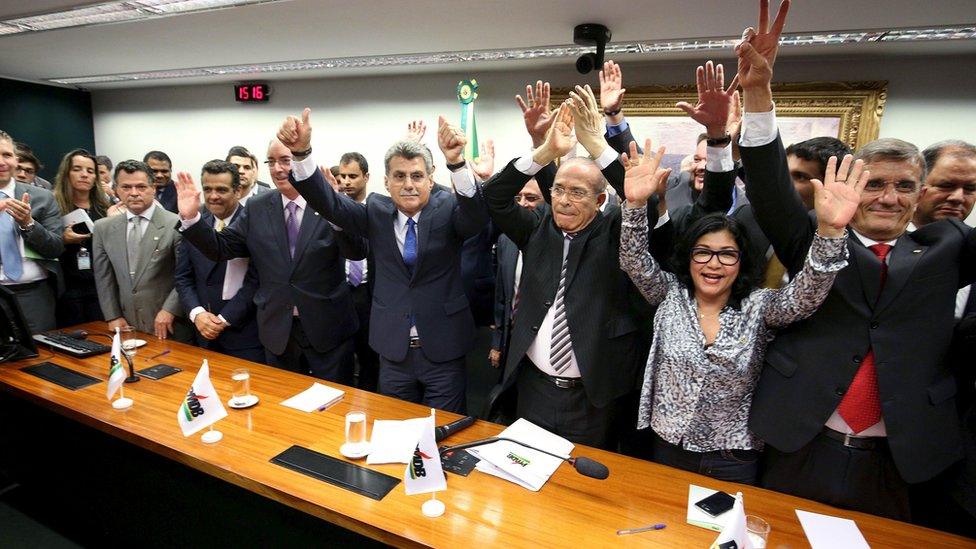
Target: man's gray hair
x: 889, y: 148
x: 4, y: 136
x: 408, y: 150
x: 953, y: 147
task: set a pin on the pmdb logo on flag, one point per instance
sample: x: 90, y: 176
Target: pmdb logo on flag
x: 201, y: 407
x: 191, y: 406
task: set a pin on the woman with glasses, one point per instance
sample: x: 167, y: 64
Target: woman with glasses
x: 76, y: 186
x: 713, y: 324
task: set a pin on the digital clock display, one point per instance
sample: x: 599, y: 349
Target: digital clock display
x: 252, y: 93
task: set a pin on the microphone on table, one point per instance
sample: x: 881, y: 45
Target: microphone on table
x: 583, y: 465
x: 444, y: 431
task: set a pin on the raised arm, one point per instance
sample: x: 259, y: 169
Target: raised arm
x: 641, y: 181
x: 470, y: 213
x: 227, y: 244
x: 835, y: 200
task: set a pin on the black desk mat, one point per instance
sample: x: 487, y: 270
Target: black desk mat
x: 67, y: 378
x: 343, y: 474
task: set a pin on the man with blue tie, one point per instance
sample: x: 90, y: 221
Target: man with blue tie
x: 30, y: 242
x: 220, y: 295
x: 421, y: 324
x: 306, y: 317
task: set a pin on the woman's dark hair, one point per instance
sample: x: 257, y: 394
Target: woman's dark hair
x: 745, y: 282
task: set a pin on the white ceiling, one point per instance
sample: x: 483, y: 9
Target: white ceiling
x: 311, y: 29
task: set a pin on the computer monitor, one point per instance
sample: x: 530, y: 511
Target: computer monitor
x: 15, y: 337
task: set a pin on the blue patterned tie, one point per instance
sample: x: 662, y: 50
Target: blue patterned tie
x: 410, y: 245
x: 13, y: 264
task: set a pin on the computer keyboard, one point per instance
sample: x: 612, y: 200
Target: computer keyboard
x: 80, y: 348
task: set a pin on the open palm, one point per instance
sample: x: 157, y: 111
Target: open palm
x: 836, y: 198
x: 714, y: 100
x: 642, y: 177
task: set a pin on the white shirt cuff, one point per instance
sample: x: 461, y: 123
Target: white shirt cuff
x: 224, y: 320
x: 187, y: 223
x: 662, y: 220
x: 719, y: 159
x: 194, y: 312
x: 303, y: 169
x: 607, y: 157
x: 758, y: 128
x: 527, y: 165
x: 463, y: 181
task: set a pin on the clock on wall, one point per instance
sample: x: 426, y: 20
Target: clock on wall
x: 252, y: 93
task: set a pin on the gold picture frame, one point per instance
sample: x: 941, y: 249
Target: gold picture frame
x: 851, y: 111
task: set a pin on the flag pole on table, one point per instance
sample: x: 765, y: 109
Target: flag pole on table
x: 424, y: 473
x: 116, y: 375
x: 201, y: 407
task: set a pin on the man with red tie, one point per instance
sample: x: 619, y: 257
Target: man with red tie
x: 856, y: 403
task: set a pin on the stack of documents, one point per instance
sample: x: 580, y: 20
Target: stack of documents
x: 316, y: 397
x: 518, y: 464
x: 825, y: 531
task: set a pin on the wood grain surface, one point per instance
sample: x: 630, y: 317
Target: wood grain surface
x: 569, y: 511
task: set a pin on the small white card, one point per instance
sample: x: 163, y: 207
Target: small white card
x: 827, y: 532
x: 394, y: 441
x: 316, y: 397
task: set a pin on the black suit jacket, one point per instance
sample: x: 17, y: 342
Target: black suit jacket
x: 200, y: 283
x: 609, y: 320
x: 167, y: 197
x: 507, y: 253
x: 314, y: 280
x: 908, y: 324
x: 434, y: 294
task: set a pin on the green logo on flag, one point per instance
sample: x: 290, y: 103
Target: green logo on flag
x: 467, y: 92
x: 191, y: 405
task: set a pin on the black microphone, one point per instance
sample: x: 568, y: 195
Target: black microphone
x: 445, y: 431
x: 583, y: 465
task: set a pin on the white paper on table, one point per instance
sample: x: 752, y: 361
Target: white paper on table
x: 315, y: 397
x: 698, y: 517
x: 393, y: 441
x: 78, y: 216
x: 234, y: 276
x: 825, y: 531
x: 531, y: 468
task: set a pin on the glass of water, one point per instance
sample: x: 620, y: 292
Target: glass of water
x: 129, y: 341
x: 355, y: 430
x: 242, y: 384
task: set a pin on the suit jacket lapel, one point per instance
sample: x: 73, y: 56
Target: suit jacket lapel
x: 576, y: 247
x: 868, y: 268
x: 208, y: 218
x: 149, y: 243
x: 901, y: 262
x: 309, y: 226
x: 554, y: 253
x: 276, y: 220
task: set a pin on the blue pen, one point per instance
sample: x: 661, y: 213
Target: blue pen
x: 642, y: 529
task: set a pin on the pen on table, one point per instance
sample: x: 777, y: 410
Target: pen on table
x: 322, y: 408
x: 641, y: 529
x: 157, y: 355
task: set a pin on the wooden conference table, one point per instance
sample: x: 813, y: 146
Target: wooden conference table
x: 569, y: 511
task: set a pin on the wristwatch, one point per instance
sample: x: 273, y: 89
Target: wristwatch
x: 304, y: 153
x: 28, y: 228
x: 719, y: 142
x: 458, y: 166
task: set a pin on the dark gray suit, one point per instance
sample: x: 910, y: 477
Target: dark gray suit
x: 314, y: 281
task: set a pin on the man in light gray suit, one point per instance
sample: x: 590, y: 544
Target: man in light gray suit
x: 134, y: 257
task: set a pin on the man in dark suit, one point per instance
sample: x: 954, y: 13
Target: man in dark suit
x: 247, y: 168
x: 855, y: 403
x: 219, y: 296
x: 306, y: 316
x: 420, y: 324
x: 579, y: 342
x: 162, y: 170
x: 30, y: 231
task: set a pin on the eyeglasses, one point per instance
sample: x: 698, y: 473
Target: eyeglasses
x: 283, y: 162
x: 28, y: 171
x: 575, y: 195
x: 725, y: 257
x: 530, y: 198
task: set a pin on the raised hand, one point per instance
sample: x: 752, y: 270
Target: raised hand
x: 714, y: 100
x: 329, y: 178
x: 559, y: 140
x: 643, y: 176
x: 484, y: 165
x: 296, y: 133
x: 836, y: 198
x: 416, y: 130
x: 535, y: 111
x: 611, y: 90
x: 757, y: 51
x: 588, y: 120
x: 451, y: 140
x: 187, y: 196
x: 734, y: 123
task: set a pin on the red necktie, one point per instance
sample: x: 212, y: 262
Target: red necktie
x: 861, y: 405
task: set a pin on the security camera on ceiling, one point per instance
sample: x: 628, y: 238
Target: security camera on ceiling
x: 591, y: 34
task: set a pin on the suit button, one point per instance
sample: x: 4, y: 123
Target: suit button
x: 856, y: 359
x: 839, y: 391
x: 535, y: 328
x: 874, y: 325
x: 133, y: 291
x: 548, y: 303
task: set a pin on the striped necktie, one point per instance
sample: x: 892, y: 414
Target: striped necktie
x: 561, y: 347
